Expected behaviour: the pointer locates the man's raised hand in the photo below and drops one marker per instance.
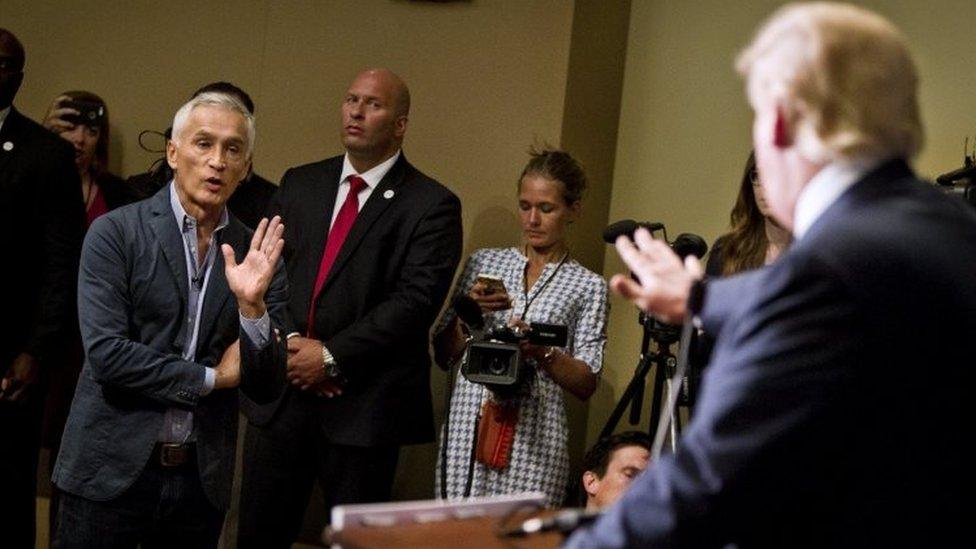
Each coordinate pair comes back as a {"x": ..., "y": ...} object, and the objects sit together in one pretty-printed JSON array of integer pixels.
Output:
[
  {"x": 664, "y": 282},
  {"x": 249, "y": 279}
]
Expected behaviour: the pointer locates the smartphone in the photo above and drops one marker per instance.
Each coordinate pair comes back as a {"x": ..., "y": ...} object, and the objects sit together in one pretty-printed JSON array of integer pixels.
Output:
[
  {"x": 89, "y": 113},
  {"x": 493, "y": 284}
]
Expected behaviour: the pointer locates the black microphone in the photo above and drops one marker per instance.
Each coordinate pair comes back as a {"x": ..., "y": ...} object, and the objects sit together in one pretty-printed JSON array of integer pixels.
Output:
[
  {"x": 628, "y": 227},
  {"x": 563, "y": 521},
  {"x": 686, "y": 244},
  {"x": 469, "y": 312},
  {"x": 949, "y": 178}
]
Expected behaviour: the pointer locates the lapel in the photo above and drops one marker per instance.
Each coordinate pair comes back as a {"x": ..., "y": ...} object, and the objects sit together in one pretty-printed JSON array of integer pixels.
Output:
[
  {"x": 167, "y": 233},
  {"x": 10, "y": 133},
  {"x": 322, "y": 198},
  {"x": 218, "y": 292},
  {"x": 367, "y": 217}
]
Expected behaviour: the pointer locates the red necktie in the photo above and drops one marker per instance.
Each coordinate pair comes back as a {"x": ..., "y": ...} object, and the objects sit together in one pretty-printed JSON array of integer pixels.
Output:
[{"x": 333, "y": 243}]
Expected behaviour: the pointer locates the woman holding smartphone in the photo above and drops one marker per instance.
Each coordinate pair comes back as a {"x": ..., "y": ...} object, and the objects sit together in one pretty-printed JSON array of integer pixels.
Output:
[
  {"x": 81, "y": 118},
  {"x": 537, "y": 281}
]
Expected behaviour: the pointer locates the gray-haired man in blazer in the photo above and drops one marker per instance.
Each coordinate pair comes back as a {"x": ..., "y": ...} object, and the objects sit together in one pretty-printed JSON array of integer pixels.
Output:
[{"x": 148, "y": 450}]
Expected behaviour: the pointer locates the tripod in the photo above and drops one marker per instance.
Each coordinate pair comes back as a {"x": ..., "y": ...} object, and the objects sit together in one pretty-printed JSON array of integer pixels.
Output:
[{"x": 665, "y": 362}]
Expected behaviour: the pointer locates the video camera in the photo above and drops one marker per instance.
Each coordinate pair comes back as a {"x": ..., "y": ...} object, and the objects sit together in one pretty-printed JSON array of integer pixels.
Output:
[{"x": 494, "y": 358}]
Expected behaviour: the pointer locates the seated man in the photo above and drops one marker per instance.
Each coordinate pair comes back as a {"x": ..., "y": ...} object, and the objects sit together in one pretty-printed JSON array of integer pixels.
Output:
[{"x": 611, "y": 465}]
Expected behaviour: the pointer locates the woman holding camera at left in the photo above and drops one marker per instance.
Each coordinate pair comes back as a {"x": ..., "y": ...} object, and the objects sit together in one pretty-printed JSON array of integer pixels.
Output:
[
  {"x": 517, "y": 441},
  {"x": 81, "y": 118}
]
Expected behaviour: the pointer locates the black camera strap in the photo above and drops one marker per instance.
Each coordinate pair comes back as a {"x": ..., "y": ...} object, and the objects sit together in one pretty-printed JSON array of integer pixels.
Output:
[{"x": 525, "y": 288}]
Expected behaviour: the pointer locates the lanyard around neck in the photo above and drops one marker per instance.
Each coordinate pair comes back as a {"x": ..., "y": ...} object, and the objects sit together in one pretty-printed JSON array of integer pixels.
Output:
[{"x": 525, "y": 287}]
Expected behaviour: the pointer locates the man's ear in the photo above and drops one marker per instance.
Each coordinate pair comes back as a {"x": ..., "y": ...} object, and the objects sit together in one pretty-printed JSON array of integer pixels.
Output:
[
  {"x": 171, "y": 154},
  {"x": 591, "y": 483},
  {"x": 782, "y": 129},
  {"x": 400, "y": 126}
]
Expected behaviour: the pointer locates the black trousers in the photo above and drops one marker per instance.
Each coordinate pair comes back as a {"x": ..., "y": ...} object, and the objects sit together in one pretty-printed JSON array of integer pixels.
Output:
[
  {"x": 20, "y": 425},
  {"x": 283, "y": 459},
  {"x": 165, "y": 507}
]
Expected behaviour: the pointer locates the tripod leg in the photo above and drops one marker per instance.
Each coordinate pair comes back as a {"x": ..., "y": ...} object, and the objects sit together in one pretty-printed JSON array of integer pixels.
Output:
[
  {"x": 637, "y": 402},
  {"x": 674, "y": 426},
  {"x": 636, "y": 383},
  {"x": 657, "y": 396}
]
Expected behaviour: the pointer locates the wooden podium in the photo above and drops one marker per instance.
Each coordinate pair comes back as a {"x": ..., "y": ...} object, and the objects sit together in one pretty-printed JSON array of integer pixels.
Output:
[
  {"x": 451, "y": 534},
  {"x": 465, "y": 524}
]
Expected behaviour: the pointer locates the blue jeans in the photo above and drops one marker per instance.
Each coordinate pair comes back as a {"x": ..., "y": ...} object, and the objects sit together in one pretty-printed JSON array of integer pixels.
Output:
[{"x": 165, "y": 507}]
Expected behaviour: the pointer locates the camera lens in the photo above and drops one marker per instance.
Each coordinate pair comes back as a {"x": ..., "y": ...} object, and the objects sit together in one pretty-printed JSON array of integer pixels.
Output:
[{"x": 497, "y": 365}]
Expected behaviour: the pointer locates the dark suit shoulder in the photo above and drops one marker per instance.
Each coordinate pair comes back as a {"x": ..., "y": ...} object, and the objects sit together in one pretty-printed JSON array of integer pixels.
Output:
[
  {"x": 39, "y": 139},
  {"x": 251, "y": 200},
  {"x": 260, "y": 185},
  {"x": 898, "y": 217},
  {"x": 428, "y": 184},
  {"x": 313, "y": 171},
  {"x": 118, "y": 192}
]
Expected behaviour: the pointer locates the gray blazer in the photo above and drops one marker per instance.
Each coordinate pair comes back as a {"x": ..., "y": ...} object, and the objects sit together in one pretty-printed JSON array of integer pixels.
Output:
[{"x": 132, "y": 293}]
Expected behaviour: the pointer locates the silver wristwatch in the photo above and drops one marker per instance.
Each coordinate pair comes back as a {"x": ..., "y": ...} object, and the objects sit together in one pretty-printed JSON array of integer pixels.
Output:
[{"x": 329, "y": 363}]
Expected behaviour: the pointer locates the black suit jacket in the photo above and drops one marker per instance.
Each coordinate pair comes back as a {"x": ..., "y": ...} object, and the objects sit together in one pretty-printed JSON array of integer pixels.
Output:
[
  {"x": 834, "y": 409},
  {"x": 251, "y": 200},
  {"x": 381, "y": 296},
  {"x": 117, "y": 191},
  {"x": 43, "y": 220}
]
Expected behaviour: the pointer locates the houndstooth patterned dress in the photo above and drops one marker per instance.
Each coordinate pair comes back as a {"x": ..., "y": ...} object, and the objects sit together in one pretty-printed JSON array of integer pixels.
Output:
[{"x": 539, "y": 461}]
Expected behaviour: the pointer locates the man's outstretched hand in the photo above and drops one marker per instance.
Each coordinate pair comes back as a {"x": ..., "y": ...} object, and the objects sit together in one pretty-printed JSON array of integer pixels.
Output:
[{"x": 663, "y": 282}]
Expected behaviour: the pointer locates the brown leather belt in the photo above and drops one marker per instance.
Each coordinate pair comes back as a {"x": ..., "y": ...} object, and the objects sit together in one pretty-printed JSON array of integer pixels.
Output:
[{"x": 169, "y": 454}]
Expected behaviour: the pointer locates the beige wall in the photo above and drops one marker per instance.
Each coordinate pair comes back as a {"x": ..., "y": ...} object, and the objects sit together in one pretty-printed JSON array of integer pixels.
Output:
[
  {"x": 685, "y": 126},
  {"x": 592, "y": 109}
]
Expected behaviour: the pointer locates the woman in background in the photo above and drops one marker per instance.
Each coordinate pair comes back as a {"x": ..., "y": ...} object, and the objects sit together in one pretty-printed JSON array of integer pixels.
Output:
[
  {"x": 81, "y": 117},
  {"x": 754, "y": 239},
  {"x": 539, "y": 282}
]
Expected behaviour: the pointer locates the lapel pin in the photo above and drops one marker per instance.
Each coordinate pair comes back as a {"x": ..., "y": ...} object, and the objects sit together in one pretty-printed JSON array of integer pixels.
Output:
[
  {"x": 8, "y": 146},
  {"x": 387, "y": 195}
]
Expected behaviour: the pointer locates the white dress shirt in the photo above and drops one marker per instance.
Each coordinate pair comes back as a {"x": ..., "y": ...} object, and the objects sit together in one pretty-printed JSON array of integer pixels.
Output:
[
  {"x": 825, "y": 188},
  {"x": 372, "y": 178}
]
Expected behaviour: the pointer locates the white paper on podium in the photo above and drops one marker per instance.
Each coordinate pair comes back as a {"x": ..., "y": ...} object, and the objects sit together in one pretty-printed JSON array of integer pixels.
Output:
[{"x": 431, "y": 510}]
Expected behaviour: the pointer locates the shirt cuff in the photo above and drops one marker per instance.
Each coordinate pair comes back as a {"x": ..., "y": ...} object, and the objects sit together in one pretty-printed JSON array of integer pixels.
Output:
[
  {"x": 258, "y": 330},
  {"x": 209, "y": 380}
]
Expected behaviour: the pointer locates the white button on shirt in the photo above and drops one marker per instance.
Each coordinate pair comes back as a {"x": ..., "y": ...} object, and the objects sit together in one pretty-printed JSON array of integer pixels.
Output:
[{"x": 372, "y": 178}]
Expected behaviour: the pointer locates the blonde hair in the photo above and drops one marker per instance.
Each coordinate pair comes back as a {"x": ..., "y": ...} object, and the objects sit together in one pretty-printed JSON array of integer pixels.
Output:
[{"x": 844, "y": 77}]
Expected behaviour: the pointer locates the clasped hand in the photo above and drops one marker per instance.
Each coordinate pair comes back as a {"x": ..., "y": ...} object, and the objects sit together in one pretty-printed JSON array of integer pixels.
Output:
[
  {"x": 306, "y": 369},
  {"x": 19, "y": 378}
]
